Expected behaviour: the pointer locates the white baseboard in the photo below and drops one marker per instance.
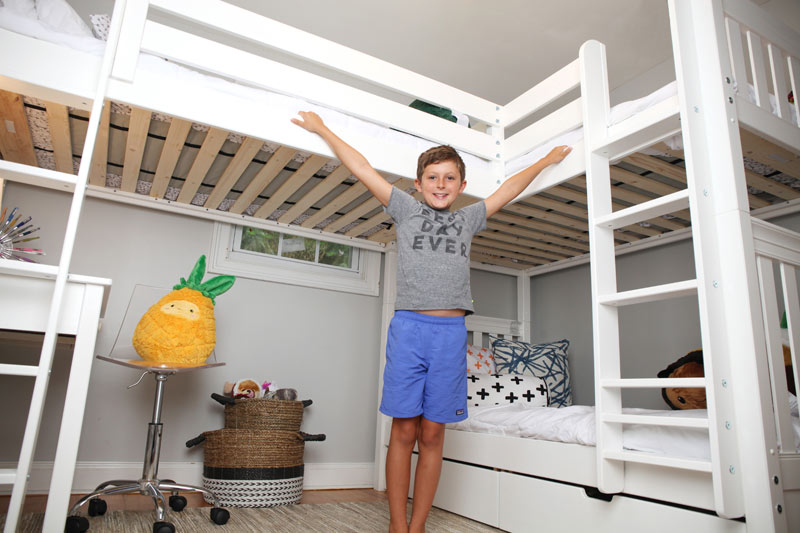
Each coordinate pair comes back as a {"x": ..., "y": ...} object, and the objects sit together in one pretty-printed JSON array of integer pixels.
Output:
[{"x": 90, "y": 474}]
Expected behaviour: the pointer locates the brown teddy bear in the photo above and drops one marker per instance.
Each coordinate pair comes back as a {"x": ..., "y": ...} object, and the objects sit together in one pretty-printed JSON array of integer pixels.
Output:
[{"x": 691, "y": 366}]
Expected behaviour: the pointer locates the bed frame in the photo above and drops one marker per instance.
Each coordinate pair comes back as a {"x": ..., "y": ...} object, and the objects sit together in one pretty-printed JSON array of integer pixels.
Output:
[{"x": 750, "y": 475}]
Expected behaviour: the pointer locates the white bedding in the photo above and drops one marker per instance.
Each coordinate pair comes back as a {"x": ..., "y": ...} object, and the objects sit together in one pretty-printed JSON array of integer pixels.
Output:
[{"x": 576, "y": 424}]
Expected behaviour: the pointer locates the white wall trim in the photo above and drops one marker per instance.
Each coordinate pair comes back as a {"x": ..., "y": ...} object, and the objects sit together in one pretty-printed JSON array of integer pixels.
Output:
[{"x": 89, "y": 474}]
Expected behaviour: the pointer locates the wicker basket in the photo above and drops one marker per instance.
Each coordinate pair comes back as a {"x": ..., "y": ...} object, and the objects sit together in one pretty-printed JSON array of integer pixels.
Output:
[
  {"x": 264, "y": 413},
  {"x": 253, "y": 467}
]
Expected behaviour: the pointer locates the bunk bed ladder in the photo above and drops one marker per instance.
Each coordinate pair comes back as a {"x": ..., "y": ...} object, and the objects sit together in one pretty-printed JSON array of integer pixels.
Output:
[
  {"x": 78, "y": 184},
  {"x": 606, "y": 299}
]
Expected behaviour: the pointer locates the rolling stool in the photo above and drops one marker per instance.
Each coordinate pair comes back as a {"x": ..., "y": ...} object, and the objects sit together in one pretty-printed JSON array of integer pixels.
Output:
[{"x": 149, "y": 484}]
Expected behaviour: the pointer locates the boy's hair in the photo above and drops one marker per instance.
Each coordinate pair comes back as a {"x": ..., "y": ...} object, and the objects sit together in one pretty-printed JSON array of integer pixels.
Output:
[{"x": 438, "y": 154}]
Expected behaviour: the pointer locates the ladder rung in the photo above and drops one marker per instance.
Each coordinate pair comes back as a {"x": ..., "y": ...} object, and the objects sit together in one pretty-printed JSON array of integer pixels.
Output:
[
  {"x": 18, "y": 370},
  {"x": 644, "y": 211},
  {"x": 40, "y": 177},
  {"x": 650, "y": 459},
  {"x": 653, "y": 383},
  {"x": 8, "y": 476},
  {"x": 666, "y": 421},
  {"x": 651, "y": 294}
]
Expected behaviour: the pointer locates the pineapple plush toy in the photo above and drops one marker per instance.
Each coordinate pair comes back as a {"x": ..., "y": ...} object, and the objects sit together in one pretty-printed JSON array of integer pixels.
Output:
[{"x": 180, "y": 329}]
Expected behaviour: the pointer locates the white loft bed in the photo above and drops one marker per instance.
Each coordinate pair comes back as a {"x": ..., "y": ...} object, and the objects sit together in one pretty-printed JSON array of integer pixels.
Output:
[{"x": 734, "y": 347}]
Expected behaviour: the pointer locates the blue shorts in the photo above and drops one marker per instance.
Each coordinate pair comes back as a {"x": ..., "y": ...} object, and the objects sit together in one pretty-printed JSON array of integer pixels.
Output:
[{"x": 426, "y": 368}]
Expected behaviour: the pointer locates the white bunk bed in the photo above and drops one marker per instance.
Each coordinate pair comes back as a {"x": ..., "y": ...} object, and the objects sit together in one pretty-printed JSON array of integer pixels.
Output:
[{"x": 738, "y": 481}]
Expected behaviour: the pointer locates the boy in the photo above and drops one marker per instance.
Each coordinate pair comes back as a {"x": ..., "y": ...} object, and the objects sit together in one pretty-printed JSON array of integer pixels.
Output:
[{"x": 424, "y": 379}]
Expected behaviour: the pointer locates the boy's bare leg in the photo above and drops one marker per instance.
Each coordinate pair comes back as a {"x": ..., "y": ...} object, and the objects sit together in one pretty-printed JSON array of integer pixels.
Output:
[
  {"x": 429, "y": 467},
  {"x": 398, "y": 469}
]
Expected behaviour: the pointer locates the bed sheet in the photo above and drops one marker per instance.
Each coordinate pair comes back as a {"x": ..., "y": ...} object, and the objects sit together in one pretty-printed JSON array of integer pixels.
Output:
[{"x": 576, "y": 424}]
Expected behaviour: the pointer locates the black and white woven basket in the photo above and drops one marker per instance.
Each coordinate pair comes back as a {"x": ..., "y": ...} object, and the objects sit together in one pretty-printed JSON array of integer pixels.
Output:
[{"x": 254, "y": 468}]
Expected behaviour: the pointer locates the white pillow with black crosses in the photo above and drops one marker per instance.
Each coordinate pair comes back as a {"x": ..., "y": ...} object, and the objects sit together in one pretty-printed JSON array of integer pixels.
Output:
[{"x": 500, "y": 389}]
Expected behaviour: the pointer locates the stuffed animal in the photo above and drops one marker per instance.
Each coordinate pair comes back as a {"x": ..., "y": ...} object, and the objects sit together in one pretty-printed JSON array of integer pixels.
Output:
[
  {"x": 180, "y": 328},
  {"x": 688, "y": 366},
  {"x": 691, "y": 366},
  {"x": 249, "y": 388}
]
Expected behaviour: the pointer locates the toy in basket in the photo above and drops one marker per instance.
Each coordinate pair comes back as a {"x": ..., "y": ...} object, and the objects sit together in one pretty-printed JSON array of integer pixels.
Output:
[{"x": 257, "y": 459}]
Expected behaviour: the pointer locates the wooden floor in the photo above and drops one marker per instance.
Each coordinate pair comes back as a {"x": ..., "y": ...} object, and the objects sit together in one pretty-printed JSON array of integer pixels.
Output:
[{"x": 35, "y": 503}]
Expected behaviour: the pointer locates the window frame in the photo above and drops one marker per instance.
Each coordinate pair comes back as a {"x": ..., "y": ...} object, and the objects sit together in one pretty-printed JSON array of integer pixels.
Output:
[{"x": 224, "y": 258}]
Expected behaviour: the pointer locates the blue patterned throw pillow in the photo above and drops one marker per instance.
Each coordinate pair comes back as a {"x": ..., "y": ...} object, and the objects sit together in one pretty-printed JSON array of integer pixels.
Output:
[{"x": 547, "y": 361}]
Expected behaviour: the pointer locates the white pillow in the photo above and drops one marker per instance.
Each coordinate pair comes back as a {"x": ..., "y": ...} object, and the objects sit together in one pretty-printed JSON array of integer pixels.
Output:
[
  {"x": 59, "y": 15},
  {"x": 480, "y": 360},
  {"x": 500, "y": 389}
]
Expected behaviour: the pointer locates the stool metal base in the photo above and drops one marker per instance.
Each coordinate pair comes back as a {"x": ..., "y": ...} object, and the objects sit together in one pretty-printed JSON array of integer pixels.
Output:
[{"x": 149, "y": 484}]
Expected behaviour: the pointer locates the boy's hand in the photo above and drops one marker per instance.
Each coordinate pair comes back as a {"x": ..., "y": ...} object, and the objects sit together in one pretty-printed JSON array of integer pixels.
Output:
[
  {"x": 309, "y": 121},
  {"x": 557, "y": 154}
]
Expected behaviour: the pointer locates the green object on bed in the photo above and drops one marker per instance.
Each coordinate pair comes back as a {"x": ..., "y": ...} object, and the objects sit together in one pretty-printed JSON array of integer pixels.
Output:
[{"x": 441, "y": 112}]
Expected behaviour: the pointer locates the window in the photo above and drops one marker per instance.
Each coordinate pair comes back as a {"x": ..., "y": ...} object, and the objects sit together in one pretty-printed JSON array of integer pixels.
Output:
[{"x": 296, "y": 258}]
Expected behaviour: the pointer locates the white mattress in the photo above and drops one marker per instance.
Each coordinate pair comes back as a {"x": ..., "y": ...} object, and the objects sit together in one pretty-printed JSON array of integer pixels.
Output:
[{"x": 576, "y": 424}]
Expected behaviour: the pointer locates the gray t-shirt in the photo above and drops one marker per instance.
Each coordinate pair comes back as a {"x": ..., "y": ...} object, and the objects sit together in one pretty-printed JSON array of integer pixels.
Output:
[{"x": 433, "y": 253}]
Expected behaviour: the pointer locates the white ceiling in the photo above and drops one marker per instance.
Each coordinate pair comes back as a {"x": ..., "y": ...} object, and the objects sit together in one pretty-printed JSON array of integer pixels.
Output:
[{"x": 494, "y": 49}]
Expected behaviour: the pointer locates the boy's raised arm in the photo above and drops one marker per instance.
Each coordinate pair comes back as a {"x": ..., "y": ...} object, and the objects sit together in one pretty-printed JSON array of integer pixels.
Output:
[
  {"x": 349, "y": 156},
  {"x": 517, "y": 183}
]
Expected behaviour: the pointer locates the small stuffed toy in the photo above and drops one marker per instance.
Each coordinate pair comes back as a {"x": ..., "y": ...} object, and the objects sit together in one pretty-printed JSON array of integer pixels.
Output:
[
  {"x": 249, "y": 388},
  {"x": 180, "y": 328},
  {"x": 688, "y": 366},
  {"x": 691, "y": 366},
  {"x": 245, "y": 388}
]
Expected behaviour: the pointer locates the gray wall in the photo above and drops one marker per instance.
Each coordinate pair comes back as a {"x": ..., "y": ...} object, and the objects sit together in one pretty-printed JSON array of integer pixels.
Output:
[{"x": 323, "y": 343}]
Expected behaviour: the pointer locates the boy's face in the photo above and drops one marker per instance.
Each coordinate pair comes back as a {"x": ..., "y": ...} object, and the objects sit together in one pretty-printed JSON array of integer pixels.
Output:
[{"x": 440, "y": 184}]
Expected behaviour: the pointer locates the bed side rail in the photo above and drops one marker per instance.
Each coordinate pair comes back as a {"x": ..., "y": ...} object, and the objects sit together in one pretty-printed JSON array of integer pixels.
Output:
[
  {"x": 778, "y": 252},
  {"x": 479, "y": 326},
  {"x": 194, "y": 48},
  {"x": 765, "y": 60}
]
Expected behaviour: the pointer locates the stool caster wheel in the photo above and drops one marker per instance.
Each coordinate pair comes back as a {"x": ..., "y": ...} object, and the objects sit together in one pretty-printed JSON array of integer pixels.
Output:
[
  {"x": 76, "y": 524},
  {"x": 163, "y": 527},
  {"x": 219, "y": 516},
  {"x": 97, "y": 507},
  {"x": 177, "y": 503}
]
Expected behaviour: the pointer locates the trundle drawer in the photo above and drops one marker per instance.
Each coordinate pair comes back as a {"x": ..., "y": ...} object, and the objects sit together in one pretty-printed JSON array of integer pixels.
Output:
[{"x": 531, "y": 504}]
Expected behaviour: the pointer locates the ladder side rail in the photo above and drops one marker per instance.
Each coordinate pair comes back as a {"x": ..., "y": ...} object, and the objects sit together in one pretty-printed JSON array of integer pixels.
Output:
[
  {"x": 769, "y": 303},
  {"x": 51, "y": 332},
  {"x": 605, "y": 319},
  {"x": 730, "y": 313},
  {"x": 74, "y": 407}
]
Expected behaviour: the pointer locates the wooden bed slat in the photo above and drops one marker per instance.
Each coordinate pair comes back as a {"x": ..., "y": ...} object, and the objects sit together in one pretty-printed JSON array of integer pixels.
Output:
[
  {"x": 16, "y": 143},
  {"x": 99, "y": 169},
  {"x": 480, "y": 257},
  {"x": 384, "y": 235},
  {"x": 263, "y": 178},
  {"x": 214, "y": 140},
  {"x": 134, "y": 148},
  {"x": 768, "y": 154},
  {"x": 525, "y": 223},
  {"x": 522, "y": 251},
  {"x": 325, "y": 186},
  {"x": 355, "y": 190},
  {"x": 499, "y": 236},
  {"x": 354, "y": 214},
  {"x": 58, "y": 123},
  {"x": 295, "y": 181},
  {"x": 170, "y": 152},
  {"x": 244, "y": 156},
  {"x": 371, "y": 222}
]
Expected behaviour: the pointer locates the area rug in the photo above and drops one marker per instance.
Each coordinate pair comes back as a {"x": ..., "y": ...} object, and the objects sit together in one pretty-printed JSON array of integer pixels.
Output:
[{"x": 355, "y": 517}]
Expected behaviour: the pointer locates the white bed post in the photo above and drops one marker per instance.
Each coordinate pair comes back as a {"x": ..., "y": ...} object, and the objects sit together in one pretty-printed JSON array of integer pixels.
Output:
[
  {"x": 383, "y": 426},
  {"x": 739, "y": 404}
]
